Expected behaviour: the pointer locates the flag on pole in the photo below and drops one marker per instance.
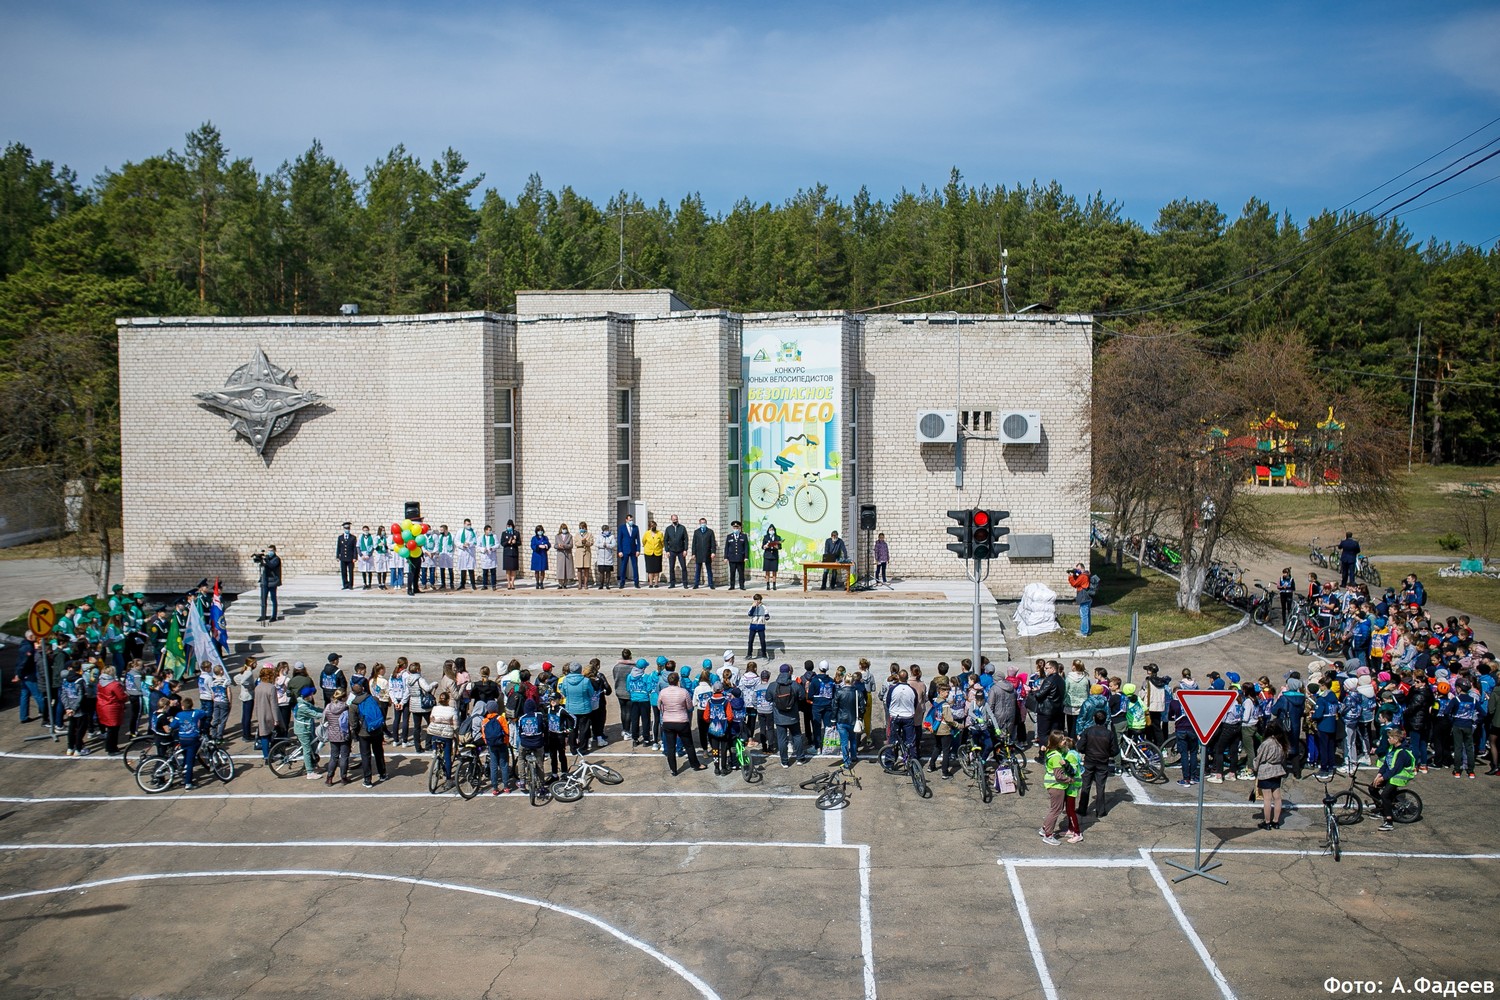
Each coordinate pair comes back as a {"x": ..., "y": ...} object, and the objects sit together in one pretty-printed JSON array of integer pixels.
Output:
[
  {"x": 173, "y": 657},
  {"x": 216, "y": 614},
  {"x": 200, "y": 644}
]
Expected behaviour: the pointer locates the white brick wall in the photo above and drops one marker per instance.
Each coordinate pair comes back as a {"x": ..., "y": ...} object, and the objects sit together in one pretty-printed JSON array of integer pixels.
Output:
[{"x": 410, "y": 410}]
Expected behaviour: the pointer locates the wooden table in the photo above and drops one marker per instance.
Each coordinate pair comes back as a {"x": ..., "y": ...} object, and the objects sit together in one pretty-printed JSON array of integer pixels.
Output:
[{"x": 847, "y": 567}]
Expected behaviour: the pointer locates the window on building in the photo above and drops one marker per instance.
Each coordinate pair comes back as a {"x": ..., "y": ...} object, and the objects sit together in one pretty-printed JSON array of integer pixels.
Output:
[
  {"x": 505, "y": 443},
  {"x": 622, "y": 444},
  {"x": 733, "y": 457}
]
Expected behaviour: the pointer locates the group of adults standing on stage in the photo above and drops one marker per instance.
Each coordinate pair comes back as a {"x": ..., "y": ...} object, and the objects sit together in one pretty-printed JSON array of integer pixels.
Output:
[{"x": 581, "y": 558}]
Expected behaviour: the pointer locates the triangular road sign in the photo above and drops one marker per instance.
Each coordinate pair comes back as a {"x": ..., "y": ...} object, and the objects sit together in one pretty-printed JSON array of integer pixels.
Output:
[{"x": 1205, "y": 710}]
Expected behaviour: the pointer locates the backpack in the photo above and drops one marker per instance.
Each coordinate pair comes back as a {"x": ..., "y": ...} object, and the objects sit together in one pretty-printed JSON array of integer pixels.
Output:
[
  {"x": 786, "y": 699},
  {"x": 330, "y": 678},
  {"x": 823, "y": 686},
  {"x": 370, "y": 716},
  {"x": 531, "y": 724},
  {"x": 426, "y": 699},
  {"x": 1093, "y": 587},
  {"x": 494, "y": 732},
  {"x": 718, "y": 716}
]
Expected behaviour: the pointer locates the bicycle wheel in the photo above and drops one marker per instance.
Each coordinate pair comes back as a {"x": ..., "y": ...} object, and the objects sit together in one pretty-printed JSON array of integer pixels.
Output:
[
  {"x": 434, "y": 775},
  {"x": 567, "y": 789},
  {"x": 1289, "y": 630},
  {"x": 1348, "y": 808},
  {"x": 538, "y": 792},
  {"x": 1171, "y": 754},
  {"x": 222, "y": 765},
  {"x": 138, "y": 750},
  {"x": 832, "y": 797},
  {"x": 1372, "y": 576},
  {"x": 1407, "y": 806},
  {"x": 607, "y": 774},
  {"x": 1302, "y": 637},
  {"x": 986, "y": 784},
  {"x": 810, "y": 502},
  {"x": 817, "y": 781},
  {"x": 764, "y": 489},
  {"x": 969, "y": 762},
  {"x": 752, "y": 770},
  {"x": 887, "y": 758},
  {"x": 1333, "y": 838},
  {"x": 468, "y": 780},
  {"x": 1152, "y": 757},
  {"x": 286, "y": 758},
  {"x": 918, "y": 779},
  {"x": 1018, "y": 772},
  {"x": 155, "y": 775},
  {"x": 1261, "y": 613}
]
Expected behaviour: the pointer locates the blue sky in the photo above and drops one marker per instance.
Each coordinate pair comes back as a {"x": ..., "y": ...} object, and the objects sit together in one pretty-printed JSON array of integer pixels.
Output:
[{"x": 1306, "y": 106}]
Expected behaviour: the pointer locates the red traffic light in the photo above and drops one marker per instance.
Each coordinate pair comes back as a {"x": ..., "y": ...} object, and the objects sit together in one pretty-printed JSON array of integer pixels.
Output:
[{"x": 981, "y": 518}]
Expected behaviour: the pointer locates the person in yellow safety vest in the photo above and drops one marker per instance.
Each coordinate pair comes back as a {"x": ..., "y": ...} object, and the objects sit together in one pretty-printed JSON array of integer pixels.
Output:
[
  {"x": 1060, "y": 769},
  {"x": 1398, "y": 767}
]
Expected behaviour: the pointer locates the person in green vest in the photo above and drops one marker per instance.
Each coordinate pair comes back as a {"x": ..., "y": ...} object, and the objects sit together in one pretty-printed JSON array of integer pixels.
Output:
[
  {"x": 1396, "y": 769},
  {"x": 114, "y": 643},
  {"x": 1061, "y": 769},
  {"x": 67, "y": 623},
  {"x": 117, "y": 599}
]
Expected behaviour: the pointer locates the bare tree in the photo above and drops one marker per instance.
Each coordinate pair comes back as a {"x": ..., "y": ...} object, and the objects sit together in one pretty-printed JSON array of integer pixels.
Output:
[{"x": 1477, "y": 519}]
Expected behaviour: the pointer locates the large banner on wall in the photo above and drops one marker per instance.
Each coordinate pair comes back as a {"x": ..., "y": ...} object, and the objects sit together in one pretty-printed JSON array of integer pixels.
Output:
[{"x": 792, "y": 424}]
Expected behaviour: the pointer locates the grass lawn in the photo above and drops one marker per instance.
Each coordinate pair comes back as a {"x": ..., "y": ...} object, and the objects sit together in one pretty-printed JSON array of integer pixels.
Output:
[
  {"x": 1474, "y": 595},
  {"x": 1154, "y": 596},
  {"x": 65, "y": 545},
  {"x": 1299, "y": 516}
]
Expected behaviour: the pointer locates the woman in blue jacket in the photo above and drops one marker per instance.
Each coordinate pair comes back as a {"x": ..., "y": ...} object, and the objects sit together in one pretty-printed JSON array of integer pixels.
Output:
[{"x": 540, "y": 546}]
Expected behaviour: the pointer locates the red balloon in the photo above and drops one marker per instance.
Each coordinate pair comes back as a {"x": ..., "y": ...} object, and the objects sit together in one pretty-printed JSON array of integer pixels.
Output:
[
  {"x": 426, "y": 529},
  {"x": 395, "y": 529}
]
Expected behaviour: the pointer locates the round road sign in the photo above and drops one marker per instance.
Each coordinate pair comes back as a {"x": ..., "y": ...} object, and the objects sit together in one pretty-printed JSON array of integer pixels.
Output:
[{"x": 43, "y": 616}]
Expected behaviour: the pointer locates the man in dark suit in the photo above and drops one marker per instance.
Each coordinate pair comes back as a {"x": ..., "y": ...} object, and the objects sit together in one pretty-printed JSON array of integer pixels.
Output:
[
  {"x": 674, "y": 544},
  {"x": 704, "y": 547},
  {"x": 270, "y": 579},
  {"x": 736, "y": 551},
  {"x": 347, "y": 550},
  {"x": 833, "y": 551},
  {"x": 628, "y": 549}
]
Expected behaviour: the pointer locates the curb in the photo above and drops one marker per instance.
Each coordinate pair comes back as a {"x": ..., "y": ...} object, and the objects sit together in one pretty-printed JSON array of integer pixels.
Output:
[{"x": 1148, "y": 648}]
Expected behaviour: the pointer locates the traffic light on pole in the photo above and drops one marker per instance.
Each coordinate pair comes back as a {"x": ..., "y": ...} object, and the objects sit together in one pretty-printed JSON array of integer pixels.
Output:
[
  {"x": 963, "y": 531},
  {"x": 986, "y": 531}
]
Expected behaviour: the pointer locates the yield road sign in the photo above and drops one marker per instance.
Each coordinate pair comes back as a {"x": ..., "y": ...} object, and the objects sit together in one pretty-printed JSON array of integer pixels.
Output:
[
  {"x": 41, "y": 619},
  {"x": 1205, "y": 710}
]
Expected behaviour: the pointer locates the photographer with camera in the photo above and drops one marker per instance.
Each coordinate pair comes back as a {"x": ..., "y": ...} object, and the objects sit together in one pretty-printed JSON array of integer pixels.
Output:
[{"x": 270, "y": 579}]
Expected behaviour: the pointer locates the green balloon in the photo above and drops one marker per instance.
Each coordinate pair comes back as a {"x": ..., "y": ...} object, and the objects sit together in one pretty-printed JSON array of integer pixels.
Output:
[
  {"x": 405, "y": 535},
  {"x": 422, "y": 540}
]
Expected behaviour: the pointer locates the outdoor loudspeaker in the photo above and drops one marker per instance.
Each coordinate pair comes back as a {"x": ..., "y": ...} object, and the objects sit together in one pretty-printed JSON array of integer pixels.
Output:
[
  {"x": 867, "y": 516},
  {"x": 413, "y": 510}
]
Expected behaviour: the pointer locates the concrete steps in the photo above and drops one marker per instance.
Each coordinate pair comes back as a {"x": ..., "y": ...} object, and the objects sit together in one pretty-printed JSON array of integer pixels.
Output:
[{"x": 564, "y": 625}]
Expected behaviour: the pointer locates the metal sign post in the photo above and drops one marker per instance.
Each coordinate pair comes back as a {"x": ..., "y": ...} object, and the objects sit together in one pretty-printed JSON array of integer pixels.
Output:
[
  {"x": 1135, "y": 639},
  {"x": 1205, "y": 710}
]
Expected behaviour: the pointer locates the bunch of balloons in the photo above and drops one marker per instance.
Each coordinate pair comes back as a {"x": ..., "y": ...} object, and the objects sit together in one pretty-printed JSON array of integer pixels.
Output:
[{"x": 408, "y": 537}]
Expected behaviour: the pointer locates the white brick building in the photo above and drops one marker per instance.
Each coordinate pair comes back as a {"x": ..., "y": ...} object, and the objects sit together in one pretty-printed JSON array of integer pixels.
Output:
[{"x": 578, "y": 407}]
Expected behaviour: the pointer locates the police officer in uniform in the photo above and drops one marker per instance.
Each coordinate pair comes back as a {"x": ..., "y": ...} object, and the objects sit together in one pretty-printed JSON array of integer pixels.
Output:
[{"x": 347, "y": 551}]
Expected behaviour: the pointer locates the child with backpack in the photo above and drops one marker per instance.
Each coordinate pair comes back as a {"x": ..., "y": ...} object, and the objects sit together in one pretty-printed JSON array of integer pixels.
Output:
[
  {"x": 559, "y": 724},
  {"x": 497, "y": 740},
  {"x": 531, "y": 733},
  {"x": 718, "y": 715}
]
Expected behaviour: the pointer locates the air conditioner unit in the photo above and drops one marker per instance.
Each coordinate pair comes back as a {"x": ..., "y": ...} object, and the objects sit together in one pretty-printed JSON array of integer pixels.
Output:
[
  {"x": 937, "y": 426},
  {"x": 1021, "y": 427}
]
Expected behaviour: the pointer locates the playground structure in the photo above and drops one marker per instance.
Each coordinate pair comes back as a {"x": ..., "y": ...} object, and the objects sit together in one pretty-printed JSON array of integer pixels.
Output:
[{"x": 1275, "y": 455}]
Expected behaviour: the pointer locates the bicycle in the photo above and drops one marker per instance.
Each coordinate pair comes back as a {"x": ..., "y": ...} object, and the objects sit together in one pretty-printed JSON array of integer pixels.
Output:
[
  {"x": 895, "y": 758},
  {"x": 157, "y": 774},
  {"x": 752, "y": 765},
  {"x": 1350, "y": 805},
  {"x": 1366, "y": 571},
  {"x": 471, "y": 769},
  {"x": 1262, "y": 603},
  {"x": 833, "y": 786},
  {"x": 530, "y": 770},
  {"x": 807, "y": 498},
  {"x": 139, "y": 750},
  {"x": 570, "y": 787},
  {"x": 976, "y": 766},
  {"x": 1013, "y": 756},
  {"x": 286, "y": 757},
  {"x": 1142, "y": 758},
  {"x": 1331, "y": 842},
  {"x": 1316, "y": 555}
]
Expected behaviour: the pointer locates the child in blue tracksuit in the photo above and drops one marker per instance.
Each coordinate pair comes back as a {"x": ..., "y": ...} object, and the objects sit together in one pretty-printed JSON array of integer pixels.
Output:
[
  {"x": 187, "y": 725},
  {"x": 531, "y": 733}
]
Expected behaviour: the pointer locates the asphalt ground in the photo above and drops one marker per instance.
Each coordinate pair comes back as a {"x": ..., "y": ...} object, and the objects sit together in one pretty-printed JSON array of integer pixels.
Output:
[{"x": 704, "y": 886}]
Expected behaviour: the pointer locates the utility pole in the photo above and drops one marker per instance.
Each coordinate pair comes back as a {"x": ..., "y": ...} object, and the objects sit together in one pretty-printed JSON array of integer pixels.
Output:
[{"x": 1411, "y": 434}]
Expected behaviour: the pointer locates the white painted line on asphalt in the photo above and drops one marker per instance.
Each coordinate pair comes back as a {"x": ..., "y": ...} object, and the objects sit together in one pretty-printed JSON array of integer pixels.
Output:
[
  {"x": 866, "y": 928},
  {"x": 1187, "y": 926},
  {"x": 1035, "y": 946},
  {"x": 833, "y": 827},
  {"x": 1138, "y": 793},
  {"x": 445, "y": 844},
  {"x": 682, "y": 971},
  {"x": 1071, "y": 862},
  {"x": 1416, "y": 855},
  {"x": 353, "y": 796}
]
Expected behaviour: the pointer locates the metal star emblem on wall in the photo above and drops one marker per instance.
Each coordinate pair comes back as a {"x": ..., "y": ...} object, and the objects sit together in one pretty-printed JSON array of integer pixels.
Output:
[{"x": 259, "y": 400}]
